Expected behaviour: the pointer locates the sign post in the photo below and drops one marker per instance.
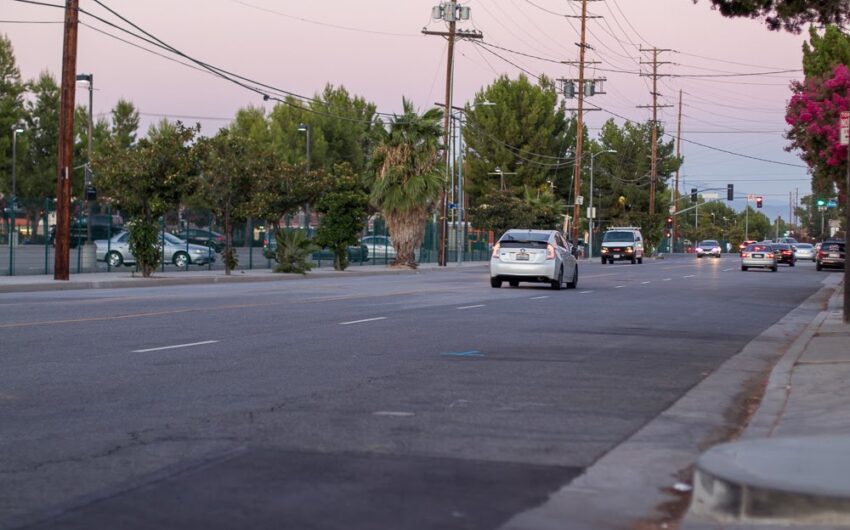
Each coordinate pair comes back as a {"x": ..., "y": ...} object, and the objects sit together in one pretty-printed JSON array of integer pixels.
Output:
[{"x": 844, "y": 130}]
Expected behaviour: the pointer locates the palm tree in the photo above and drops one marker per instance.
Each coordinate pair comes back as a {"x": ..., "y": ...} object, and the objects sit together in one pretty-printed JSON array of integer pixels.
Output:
[{"x": 408, "y": 177}]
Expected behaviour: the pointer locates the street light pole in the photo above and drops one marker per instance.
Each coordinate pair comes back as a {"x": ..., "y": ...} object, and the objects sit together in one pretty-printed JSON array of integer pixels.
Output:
[
  {"x": 305, "y": 128},
  {"x": 13, "y": 232},
  {"x": 591, "y": 212},
  {"x": 89, "y": 79}
]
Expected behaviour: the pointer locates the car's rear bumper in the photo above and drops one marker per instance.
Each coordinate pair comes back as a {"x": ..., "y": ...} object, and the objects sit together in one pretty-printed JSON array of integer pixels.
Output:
[
  {"x": 527, "y": 272},
  {"x": 756, "y": 262},
  {"x": 832, "y": 263}
]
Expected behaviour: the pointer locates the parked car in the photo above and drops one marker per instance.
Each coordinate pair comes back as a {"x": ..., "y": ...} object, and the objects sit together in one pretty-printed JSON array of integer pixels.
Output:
[
  {"x": 804, "y": 251},
  {"x": 199, "y": 236},
  {"x": 784, "y": 253},
  {"x": 381, "y": 248},
  {"x": 116, "y": 251},
  {"x": 831, "y": 255},
  {"x": 534, "y": 256},
  {"x": 356, "y": 253},
  {"x": 622, "y": 243},
  {"x": 708, "y": 247},
  {"x": 103, "y": 226},
  {"x": 759, "y": 255}
]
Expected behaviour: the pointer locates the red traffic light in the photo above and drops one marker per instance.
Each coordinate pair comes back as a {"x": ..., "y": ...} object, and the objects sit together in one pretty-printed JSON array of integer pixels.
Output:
[
  {"x": 669, "y": 222},
  {"x": 759, "y": 201}
]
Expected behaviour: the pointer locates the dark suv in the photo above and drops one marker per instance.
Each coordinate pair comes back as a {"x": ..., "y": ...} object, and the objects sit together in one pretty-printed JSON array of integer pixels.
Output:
[
  {"x": 103, "y": 226},
  {"x": 831, "y": 254}
]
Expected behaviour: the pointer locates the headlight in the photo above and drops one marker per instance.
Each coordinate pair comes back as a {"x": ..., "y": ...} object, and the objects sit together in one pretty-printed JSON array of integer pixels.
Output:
[
  {"x": 604, "y": 250},
  {"x": 629, "y": 249},
  {"x": 699, "y": 249}
]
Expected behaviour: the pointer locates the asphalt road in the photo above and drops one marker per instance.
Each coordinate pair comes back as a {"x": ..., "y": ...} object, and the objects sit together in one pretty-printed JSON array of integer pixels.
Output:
[{"x": 418, "y": 401}]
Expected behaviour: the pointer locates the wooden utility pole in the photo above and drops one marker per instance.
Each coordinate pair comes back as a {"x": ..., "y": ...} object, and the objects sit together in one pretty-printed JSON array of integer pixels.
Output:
[
  {"x": 65, "y": 157},
  {"x": 653, "y": 168},
  {"x": 582, "y": 46},
  {"x": 449, "y": 12},
  {"x": 675, "y": 231}
]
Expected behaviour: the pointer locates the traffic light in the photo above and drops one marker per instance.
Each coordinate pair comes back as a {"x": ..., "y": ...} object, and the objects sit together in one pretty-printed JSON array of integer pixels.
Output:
[
  {"x": 821, "y": 202},
  {"x": 668, "y": 234},
  {"x": 759, "y": 201},
  {"x": 693, "y": 195},
  {"x": 730, "y": 192},
  {"x": 669, "y": 222}
]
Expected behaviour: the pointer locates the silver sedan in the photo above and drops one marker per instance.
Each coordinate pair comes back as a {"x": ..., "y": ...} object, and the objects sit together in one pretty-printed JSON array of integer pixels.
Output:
[
  {"x": 534, "y": 256},
  {"x": 116, "y": 251},
  {"x": 759, "y": 255},
  {"x": 804, "y": 251}
]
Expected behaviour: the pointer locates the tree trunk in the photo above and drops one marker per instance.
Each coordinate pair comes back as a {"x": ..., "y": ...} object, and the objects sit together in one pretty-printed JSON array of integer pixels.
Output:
[{"x": 407, "y": 229}]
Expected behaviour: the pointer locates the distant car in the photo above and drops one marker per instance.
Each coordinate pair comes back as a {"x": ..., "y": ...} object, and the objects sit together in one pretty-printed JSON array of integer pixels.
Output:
[
  {"x": 709, "y": 247},
  {"x": 784, "y": 254},
  {"x": 804, "y": 251},
  {"x": 622, "y": 244},
  {"x": 831, "y": 255},
  {"x": 789, "y": 240},
  {"x": 199, "y": 236},
  {"x": 116, "y": 251},
  {"x": 381, "y": 248},
  {"x": 534, "y": 256},
  {"x": 759, "y": 255},
  {"x": 746, "y": 243}
]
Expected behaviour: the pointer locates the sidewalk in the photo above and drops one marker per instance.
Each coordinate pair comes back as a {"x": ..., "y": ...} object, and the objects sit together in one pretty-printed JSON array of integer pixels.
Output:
[
  {"x": 125, "y": 279},
  {"x": 791, "y": 466}
]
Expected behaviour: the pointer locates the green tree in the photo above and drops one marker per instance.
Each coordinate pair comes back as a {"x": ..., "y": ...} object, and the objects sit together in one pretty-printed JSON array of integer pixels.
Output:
[
  {"x": 500, "y": 211},
  {"x": 824, "y": 52},
  {"x": 519, "y": 128},
  {"x": 125, "y": 123},
  {"x": 344, "y": 209},
  {"x": 293, "y": 251},
  {"x": 147, "y": 180},
  {"x": 408, "y": 177},
  {"x": 347, "y": 127},
  {"x": 11, "y": 106},
  {"x": 790, "y": 15},
  {"x": 230, "y": 165}
]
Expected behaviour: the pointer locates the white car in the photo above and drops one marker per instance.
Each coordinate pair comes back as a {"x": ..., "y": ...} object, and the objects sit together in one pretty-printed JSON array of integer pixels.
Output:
[
  {"x": 804, "y": 251},
  {"x": 534, "y": 256},
  {"x": 116, "y": 251},
  {"x": 381, "y": 248},
  {"x": 709, "y": 247}
]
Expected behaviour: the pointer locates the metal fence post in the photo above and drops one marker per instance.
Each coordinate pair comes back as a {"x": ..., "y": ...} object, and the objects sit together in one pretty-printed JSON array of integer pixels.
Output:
[
  {"x": 79, "y": 246},
  {"x": 108, "y": 238},
  {"x": 46, "y": 237},
  {"x": 161, "y": 243}
]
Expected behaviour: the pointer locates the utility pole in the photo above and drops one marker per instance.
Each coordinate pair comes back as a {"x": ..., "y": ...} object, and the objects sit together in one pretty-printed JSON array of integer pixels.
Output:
[
  {"x": 653, "y": 170},
  {"x": 675, "y": 230},
  {"x": 65, "y": 156},
  {"x": 449, "y": 12}
]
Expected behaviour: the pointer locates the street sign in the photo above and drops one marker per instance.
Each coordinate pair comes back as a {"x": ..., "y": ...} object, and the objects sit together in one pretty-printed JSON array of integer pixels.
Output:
[
  {"x": 844, "y": 128},
  {"x": 751, "y": 196},
  {"x": 591, "y": 212},
  {"x": 712, "y": 196},
  {"x": 452, "y": 206},
  {"x": 579, "y": 200},
  {"x": 832, "y": 203}
]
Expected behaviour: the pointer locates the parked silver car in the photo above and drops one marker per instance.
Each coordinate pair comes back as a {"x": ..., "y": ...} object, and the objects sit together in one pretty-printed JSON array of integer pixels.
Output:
[
  {"x": 759, "y": 255},
  {"x": 804, "y": 251},
  {"x": 116, "y": 251},
  {"x": 534, "y": 256},
  {"x": 381, "y": 248}
]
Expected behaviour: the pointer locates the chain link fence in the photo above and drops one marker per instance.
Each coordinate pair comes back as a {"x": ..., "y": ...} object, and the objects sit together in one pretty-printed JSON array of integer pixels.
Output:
[{"x": 193, "y": 239}]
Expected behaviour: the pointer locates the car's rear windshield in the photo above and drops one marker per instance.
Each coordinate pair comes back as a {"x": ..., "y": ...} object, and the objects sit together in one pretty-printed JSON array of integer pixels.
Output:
[
  {"x": 709, "y": 243},
  {"x": 804, "y": 245},
  {"x": 781, "y": 246},
  {"x": 617, "y": 237},
  {"x": 524, "y": 240},
  {"x": 759, "y": 248},
  {"x": 832, "y": 246}
]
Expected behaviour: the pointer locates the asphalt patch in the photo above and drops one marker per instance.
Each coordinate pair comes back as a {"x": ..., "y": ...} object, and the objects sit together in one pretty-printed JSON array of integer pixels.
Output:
[{"x": 275, "y": 489}]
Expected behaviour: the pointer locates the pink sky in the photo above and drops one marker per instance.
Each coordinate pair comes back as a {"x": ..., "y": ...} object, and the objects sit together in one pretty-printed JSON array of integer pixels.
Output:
[{"x": 300, "y": 46}]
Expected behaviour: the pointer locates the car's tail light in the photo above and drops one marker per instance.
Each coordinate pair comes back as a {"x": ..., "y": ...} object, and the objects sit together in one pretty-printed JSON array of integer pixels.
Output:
[
  {"x": 550, "y": 252},
  {"x": 745, "y": 254},
  {"x": 769, "y": 255},
  {"x": 496, "y": 248},
  {"x": 822, "y": 254}
]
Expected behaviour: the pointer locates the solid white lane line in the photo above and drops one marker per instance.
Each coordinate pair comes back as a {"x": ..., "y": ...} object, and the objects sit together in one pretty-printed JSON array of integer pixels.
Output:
[
  {"x": 392, "y": 413},
  {"x": 644, "y": 283},
  {"x": 470, "y": 306},
  {"x": 175, "y": 346},
  {"x": 538, "y": 297},
  {"x": 689, "y": 276},
  {"x": 585, "y": 292},
  {"x": 364, "y": 320}
]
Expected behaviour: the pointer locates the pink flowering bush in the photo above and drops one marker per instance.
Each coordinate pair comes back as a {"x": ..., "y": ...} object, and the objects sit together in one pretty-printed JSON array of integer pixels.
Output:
[{"x": 813, "y": 114}]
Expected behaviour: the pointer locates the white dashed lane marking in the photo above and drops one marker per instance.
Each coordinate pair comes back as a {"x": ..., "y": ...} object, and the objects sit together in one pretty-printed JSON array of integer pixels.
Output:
[
  {"x": 585, "y": 292},
  {"x": 470, "y": 306},
  {"x": 689, "y": 276},
  {"x": 361, "y": 321},
  {"x": 538, "y": 297},
  {"x": 175, "y": 346},
  {"x": 644, "y": 283}
]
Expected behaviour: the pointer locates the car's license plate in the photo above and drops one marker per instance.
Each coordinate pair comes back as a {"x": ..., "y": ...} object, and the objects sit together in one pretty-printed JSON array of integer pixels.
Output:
[
  {"x": 833, "y": 255},
  {"x": 522, "y": 257},
  {"x": 758, "y": 255},
  {"x": 616, "y": 255}
]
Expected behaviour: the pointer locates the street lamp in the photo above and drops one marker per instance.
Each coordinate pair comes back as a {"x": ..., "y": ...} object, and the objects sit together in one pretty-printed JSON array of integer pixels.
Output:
[
  {"x": 305, "y": 128},
  {"x": 590, "y": 217},
  {"x": 16, "y": 130},
  {"x": 87, "y": 188}
]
